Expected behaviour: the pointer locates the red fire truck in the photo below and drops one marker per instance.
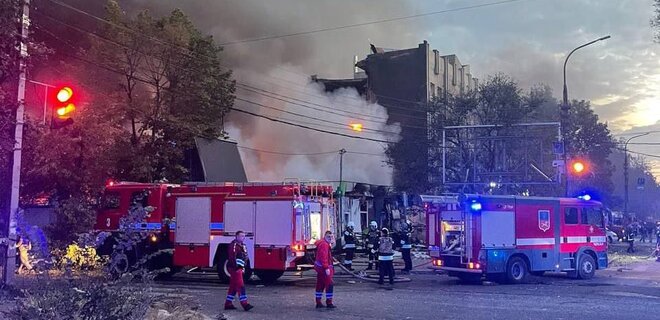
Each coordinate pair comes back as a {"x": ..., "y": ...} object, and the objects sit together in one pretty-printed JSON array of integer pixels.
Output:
[
  {"x": 510, "y": 237},
  {"x": 198, "y": 220}
]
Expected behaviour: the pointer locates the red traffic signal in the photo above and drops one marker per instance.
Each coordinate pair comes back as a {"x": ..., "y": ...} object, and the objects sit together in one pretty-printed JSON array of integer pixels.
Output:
[{"x": 63, "y": 109}]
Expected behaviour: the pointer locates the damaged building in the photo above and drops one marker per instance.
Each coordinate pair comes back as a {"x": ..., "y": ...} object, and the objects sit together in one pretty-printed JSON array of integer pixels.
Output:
[{"x": 405, "y": 81}]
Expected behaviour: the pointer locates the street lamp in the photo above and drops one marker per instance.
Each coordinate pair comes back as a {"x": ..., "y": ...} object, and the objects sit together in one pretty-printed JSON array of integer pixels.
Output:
[
  {"x": 566, "y": 61},
  {"x": 625, "y": 169},
  {"x": 564, "y": 108}
]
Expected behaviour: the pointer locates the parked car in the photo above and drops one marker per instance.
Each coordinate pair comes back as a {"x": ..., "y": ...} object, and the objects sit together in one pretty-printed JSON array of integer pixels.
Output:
[{"x": 611, "y": 236}]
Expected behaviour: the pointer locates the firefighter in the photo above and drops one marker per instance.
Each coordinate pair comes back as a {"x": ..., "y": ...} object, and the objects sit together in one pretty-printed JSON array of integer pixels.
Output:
[
  {"x": 238, "y": 258},
  {"x": 349, "y": 245},
  {"x": 406, "y": 246},
  {"x": 372, "y": 236},
  {"x": 385, "y": 256},
  {"x": 657, "y": 232},
  {"x": 631, "y": 234},
  {"x": 324, "y": 271}
]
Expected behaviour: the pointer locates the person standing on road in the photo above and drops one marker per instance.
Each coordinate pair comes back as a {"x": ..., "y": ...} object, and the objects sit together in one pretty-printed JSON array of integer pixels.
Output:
[
  {"x": 349, "y": 245},
  {"x": 372, "y": 235},
  {"x": 406, "y": 246},
  {"x": 238, "y": 258},
  {"x": 385, "y": 256},
  {"x": 324, "y": 271},
  {"x": 632, "y": 233},
  {"x": 657, "y": 232}
]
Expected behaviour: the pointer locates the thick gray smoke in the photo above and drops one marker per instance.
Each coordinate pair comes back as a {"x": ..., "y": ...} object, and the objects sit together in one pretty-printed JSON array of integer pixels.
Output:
[{"x": 282, "y": 66}]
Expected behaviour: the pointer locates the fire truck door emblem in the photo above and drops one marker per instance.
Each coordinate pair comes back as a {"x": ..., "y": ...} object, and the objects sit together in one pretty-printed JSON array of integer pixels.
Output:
[
  {"x": 591, "y": 229},
  {"x": 544, "y": 220}
]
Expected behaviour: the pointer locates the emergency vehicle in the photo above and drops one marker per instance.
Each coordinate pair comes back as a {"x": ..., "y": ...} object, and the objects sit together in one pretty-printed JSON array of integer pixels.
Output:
[
  {"x": 281, "y": 221},
  {"x": 510, "y": 237}
]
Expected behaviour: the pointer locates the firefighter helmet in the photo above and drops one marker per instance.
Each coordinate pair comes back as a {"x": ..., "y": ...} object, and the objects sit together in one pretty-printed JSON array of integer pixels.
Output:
[{"x": 373, "y": 225}]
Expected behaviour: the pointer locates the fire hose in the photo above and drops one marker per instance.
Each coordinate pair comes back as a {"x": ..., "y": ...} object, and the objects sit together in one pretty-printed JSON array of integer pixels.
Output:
[{"x": 366, "y": 278}]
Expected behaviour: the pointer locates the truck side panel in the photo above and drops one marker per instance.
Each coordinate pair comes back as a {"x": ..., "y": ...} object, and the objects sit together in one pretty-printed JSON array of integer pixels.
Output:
[{"x": 537, "y": 232}]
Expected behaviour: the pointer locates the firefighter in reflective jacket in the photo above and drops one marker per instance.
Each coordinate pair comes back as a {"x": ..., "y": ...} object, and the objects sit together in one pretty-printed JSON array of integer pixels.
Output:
[
  {"x": 406, "y": 245},
  {"x": 324, "y": 271},
  {"x": 349, "y": 245},
  {"x": 238, "y": 258},
  {"x": 372, "y": 235}
]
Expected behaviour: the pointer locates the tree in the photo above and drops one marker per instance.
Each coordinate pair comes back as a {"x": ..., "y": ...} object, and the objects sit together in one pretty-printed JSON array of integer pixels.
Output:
[
  {"x": 590, "y": 139},
  {"x": 173, "y": 88},
  {"x": 476, "y": 157}
]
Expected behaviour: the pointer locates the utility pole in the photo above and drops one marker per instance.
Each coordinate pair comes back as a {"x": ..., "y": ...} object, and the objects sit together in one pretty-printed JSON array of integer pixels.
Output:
[
  {"x": 10, "y": 261},
  {"x": 341, "y": 194}
]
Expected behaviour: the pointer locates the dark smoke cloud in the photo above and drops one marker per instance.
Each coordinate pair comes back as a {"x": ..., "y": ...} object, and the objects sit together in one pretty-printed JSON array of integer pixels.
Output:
[{"x": 284, "y": 66}]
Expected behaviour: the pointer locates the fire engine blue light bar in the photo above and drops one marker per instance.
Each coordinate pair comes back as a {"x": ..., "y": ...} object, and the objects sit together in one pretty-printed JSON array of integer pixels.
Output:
[
  {"x": 217, "y": 226},
  {"x": 148, "y": 226},
  {"x": 475, "y": 206}
]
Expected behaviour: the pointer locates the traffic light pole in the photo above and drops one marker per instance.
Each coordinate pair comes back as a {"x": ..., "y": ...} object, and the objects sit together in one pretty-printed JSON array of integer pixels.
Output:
[{"x": 10, "y": 261}]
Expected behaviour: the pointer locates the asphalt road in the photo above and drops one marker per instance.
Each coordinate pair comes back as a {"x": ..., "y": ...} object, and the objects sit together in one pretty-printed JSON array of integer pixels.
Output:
[{"x": 632, "y": 292}]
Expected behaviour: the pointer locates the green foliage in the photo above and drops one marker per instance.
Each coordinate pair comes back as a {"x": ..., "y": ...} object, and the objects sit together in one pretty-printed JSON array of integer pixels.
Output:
[
  {"x": 87, "y": 298},
  {"x": 502, "y": 154},
  {"x": 74, "y": 217},
  {"x": 172, "y": 88}
]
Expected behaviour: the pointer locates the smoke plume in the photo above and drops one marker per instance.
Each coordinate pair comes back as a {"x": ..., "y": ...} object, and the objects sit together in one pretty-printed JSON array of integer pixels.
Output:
[{"x": 276, "y": 73}]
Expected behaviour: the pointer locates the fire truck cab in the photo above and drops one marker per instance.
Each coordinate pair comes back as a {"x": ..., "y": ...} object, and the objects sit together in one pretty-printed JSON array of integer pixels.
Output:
[
  {"x": 282, "y": 221},
  {"x": 510, "y": 237}
]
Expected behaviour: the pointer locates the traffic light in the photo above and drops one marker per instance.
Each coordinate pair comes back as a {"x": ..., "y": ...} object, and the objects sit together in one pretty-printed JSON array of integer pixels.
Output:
[
  {"x": 63, "y": 108},
  {"x": 579, "y": 167}
]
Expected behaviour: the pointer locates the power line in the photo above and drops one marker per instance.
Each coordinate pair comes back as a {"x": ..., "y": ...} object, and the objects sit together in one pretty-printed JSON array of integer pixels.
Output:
[
  {"x": 639, "y": 153},
  {"x": 308, "y": 117},
  {"x": 358, "y": 115},
  {"x": 308, "y": 154},
  {"x": 367, "y": 23},
  {"x": 301, "y": 126},
  {"x": 287, "y": 154}
]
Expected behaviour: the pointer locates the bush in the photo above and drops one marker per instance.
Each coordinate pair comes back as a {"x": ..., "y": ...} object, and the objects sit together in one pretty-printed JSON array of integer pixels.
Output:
[{"x": 89, "y": 298}]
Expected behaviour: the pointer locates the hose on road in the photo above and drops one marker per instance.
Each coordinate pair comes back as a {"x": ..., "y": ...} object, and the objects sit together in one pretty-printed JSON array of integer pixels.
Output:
[{"x": 367, "y": 278}]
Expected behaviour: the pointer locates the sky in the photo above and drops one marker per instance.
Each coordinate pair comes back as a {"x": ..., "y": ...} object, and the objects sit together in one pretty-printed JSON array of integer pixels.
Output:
[{"x": 527, "y": 39}]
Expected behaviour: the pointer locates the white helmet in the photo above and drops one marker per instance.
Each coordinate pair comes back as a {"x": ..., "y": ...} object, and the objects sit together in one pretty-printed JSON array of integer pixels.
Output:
[
  {"x": 351, "y": 225},
  {"x": 373, "y": 225}
]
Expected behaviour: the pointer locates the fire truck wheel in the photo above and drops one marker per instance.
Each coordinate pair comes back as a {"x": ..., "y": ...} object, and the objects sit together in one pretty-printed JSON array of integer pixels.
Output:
[
  {"x": 516, "y": 270},
  {"x": 223, "y": 273},
  {"x": 268, "y": 276},
  {"x": 587, "y": 267}
]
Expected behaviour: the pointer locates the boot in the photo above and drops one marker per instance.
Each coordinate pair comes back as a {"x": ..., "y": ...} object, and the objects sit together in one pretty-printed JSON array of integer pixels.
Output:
[
  {"x": 329, "y": 304},
  {"x": 229, "y": 306},
  {"x": 247, "y": 307}
]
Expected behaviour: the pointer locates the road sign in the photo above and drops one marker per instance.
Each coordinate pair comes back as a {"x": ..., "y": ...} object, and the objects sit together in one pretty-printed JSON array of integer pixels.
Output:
[{"x": 558, "y": 147}]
